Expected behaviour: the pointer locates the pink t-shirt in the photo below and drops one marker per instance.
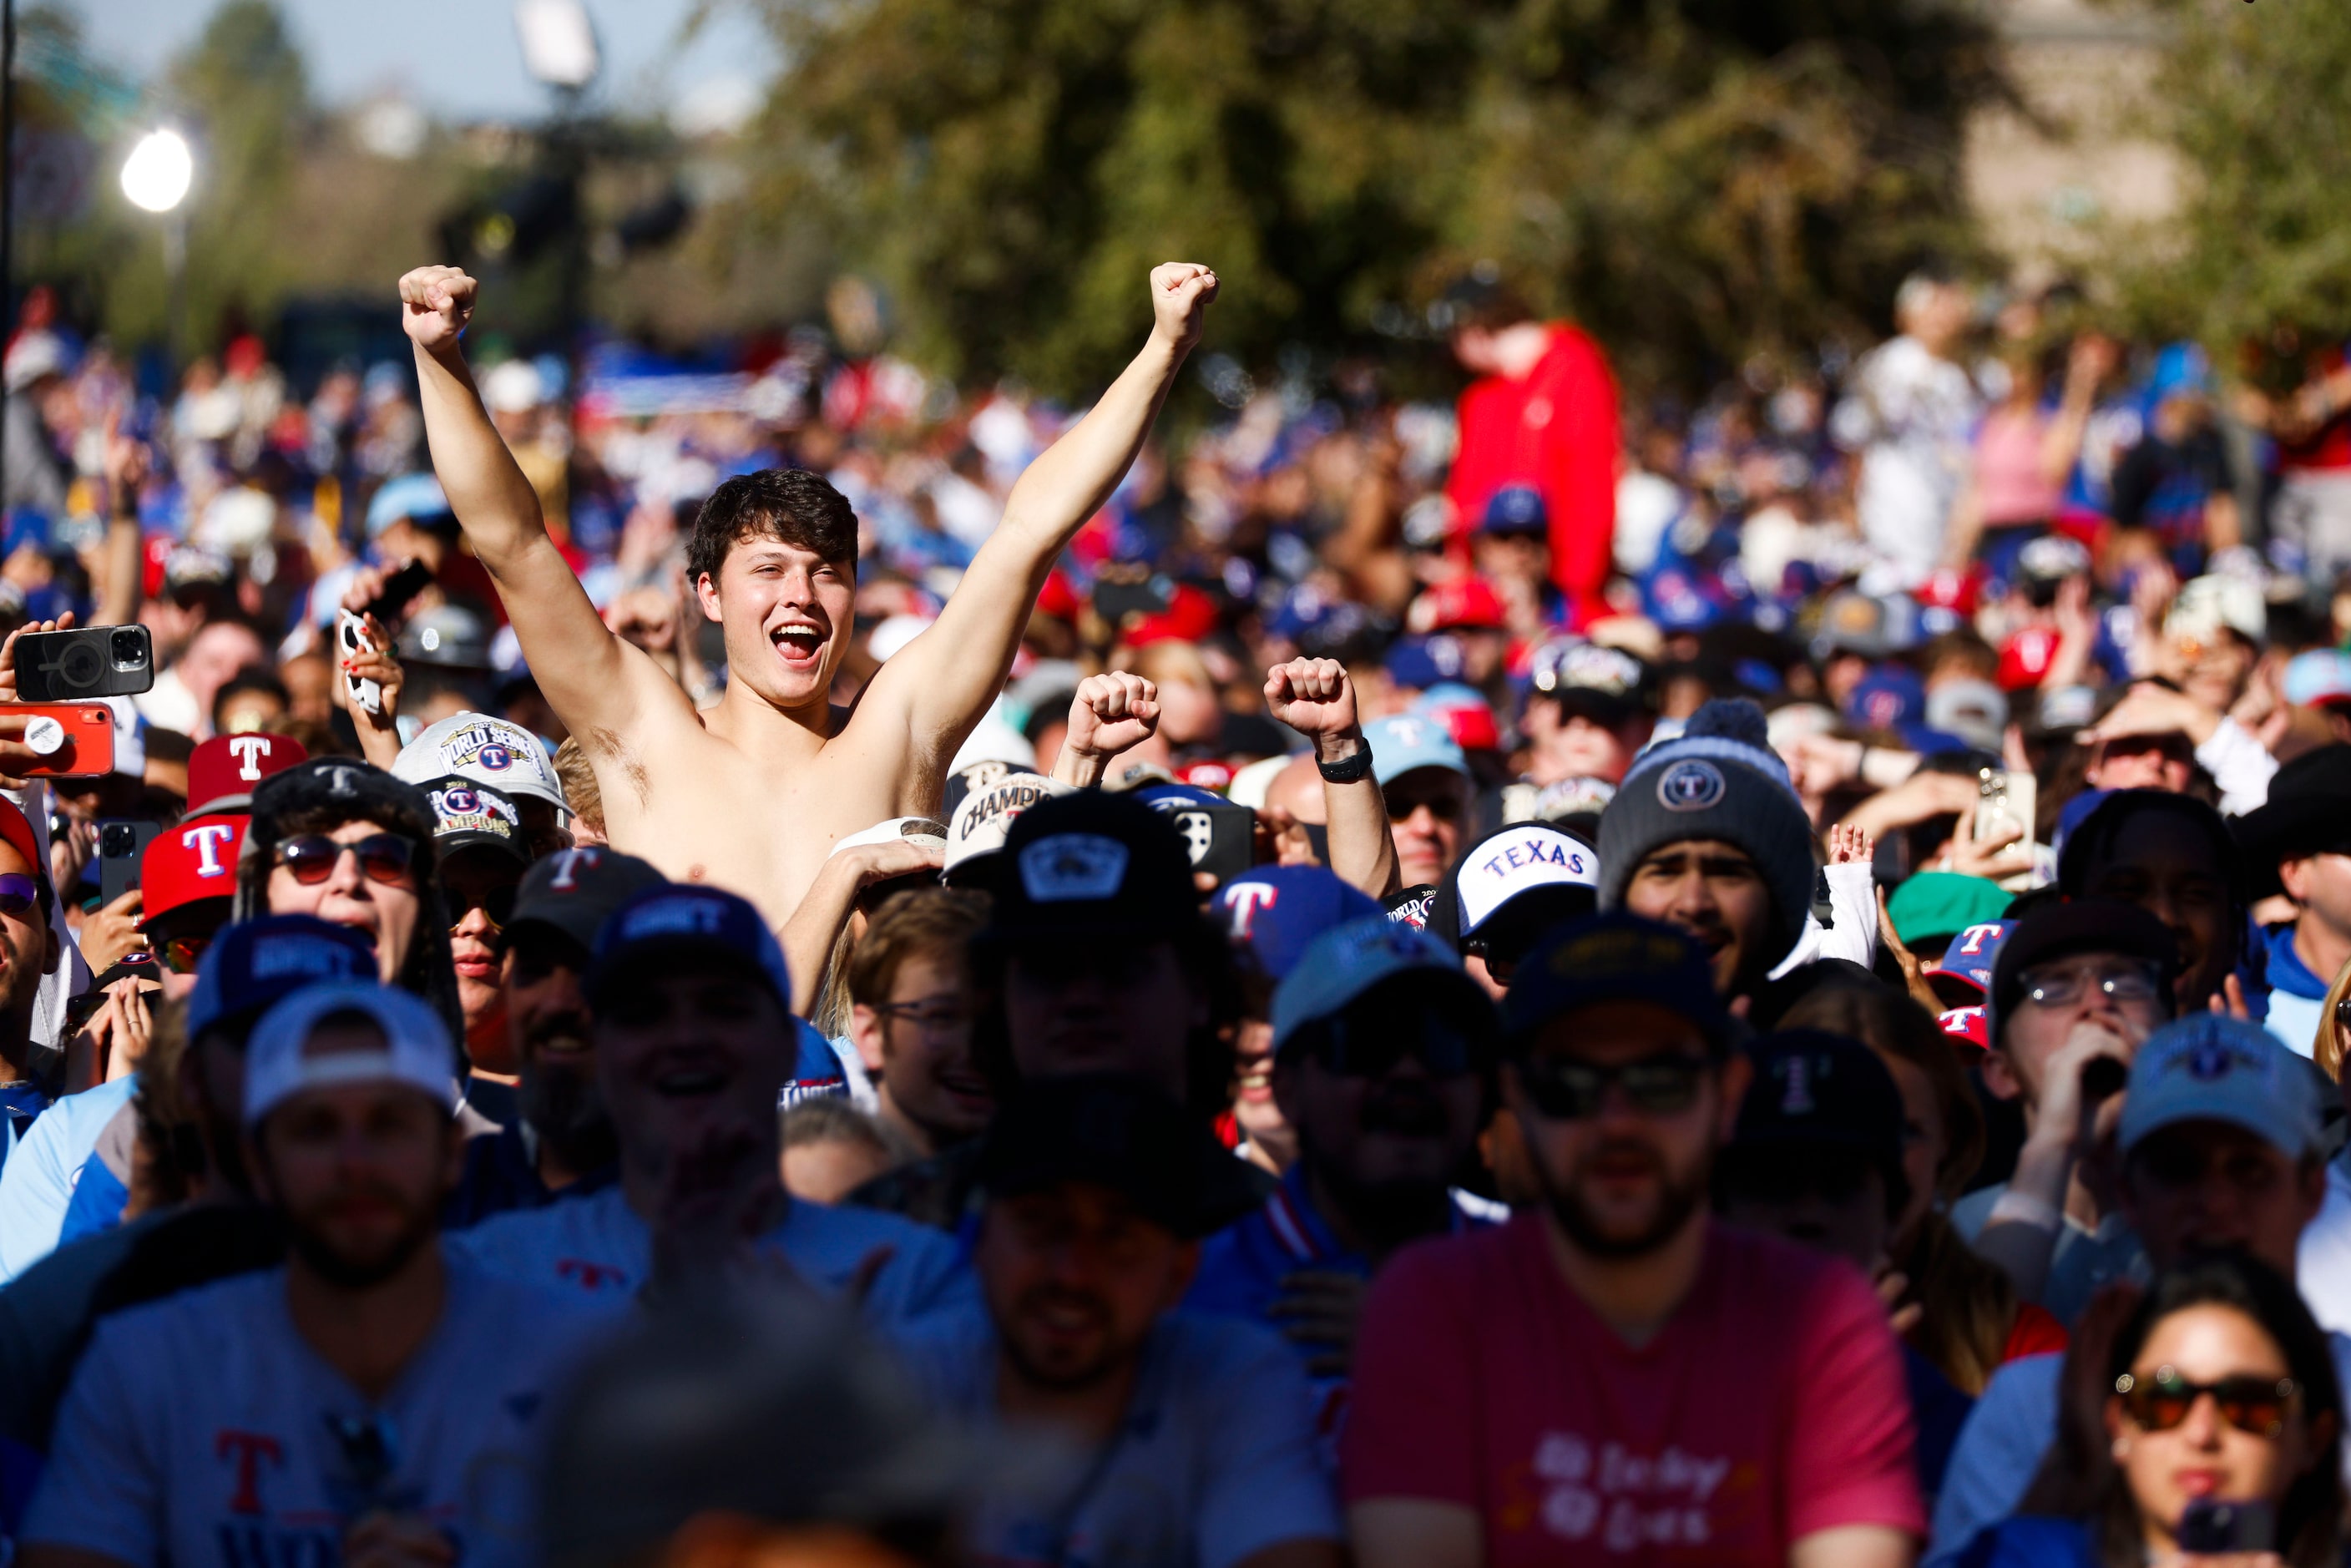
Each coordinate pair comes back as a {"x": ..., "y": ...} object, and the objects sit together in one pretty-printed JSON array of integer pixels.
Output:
[
  {"x": 1772, "y": 1405},
  {"x": 2010, "y": 487}
]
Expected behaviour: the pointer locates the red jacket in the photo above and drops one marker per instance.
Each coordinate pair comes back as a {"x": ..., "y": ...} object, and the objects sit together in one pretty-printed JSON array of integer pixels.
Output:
[{"x": 1557, "y": 431}]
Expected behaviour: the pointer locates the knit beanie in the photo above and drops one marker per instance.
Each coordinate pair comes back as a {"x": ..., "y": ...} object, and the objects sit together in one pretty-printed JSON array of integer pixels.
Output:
[{"x": 1720, "y": 780}]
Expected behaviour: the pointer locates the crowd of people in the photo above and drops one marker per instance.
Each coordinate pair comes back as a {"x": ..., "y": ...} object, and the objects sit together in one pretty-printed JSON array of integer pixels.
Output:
[{"x": 792, "y": 966}]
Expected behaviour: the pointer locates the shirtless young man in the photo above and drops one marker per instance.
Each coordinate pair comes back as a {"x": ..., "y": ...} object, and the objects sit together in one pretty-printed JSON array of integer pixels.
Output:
[{"x": 751, "y": 794}]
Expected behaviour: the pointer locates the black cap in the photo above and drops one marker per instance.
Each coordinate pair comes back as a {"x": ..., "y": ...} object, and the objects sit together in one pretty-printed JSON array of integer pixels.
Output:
[
  {"x": 574, "y": 891},
  {"x": 468, "y": 815},
  {"x": 2305, "y": 815},
  {"x": 1614, "y": 957},
  {"x": 1090, "y": 866},
  {"x": 1120, "y": 1132},
  {"x": 2061, "y": 930},
  {"x": 1813, "y": 1089}
]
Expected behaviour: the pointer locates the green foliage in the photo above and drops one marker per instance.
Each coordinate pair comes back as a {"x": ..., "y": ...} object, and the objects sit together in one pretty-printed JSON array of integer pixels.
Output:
[
  {"x": 246, "y": 87},
  {"x": 2254, "y": 100},
  {"x": 1695, "y": 180}
]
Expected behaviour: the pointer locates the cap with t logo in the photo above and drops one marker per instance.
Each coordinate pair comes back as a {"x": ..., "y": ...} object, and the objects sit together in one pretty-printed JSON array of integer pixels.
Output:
[
  {"x": 191, "y": 860},
  {"x": 223, "y": 771},
  {"x": 572, "y": 893}
]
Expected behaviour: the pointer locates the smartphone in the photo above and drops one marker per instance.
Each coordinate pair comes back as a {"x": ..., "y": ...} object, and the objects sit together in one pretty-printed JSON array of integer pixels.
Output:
[
  {"x": 351, "y": 640},
  {"x": 2209, "y": 1527},
  {"x": 2005, "y": 804},
  {"x": 1219, "y": 838},
  {"x": 94, "y": 661},
  {"x": 398, "y": 589},
  {"x": 76, "y": 740},
  {"x": 121, "y": 843}
]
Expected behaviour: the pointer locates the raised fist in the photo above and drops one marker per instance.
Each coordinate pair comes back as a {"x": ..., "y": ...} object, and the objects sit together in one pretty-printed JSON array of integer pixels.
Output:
[
  {"x": 1313, "y": 697},
  {"x": 1112, "y": 713},
  {"x": 1181, "y": 292},
  {"x": 435, "y": 303}
]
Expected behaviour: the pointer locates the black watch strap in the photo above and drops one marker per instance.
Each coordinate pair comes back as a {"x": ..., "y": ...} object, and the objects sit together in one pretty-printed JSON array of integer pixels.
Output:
[{"x": 1348, "y": 770}]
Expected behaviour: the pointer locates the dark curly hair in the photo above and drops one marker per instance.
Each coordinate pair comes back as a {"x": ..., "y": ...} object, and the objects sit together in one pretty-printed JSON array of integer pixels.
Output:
[{"x": 789, "y": 504}]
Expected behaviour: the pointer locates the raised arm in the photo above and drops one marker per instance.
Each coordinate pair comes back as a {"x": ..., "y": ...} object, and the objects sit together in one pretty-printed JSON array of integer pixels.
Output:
[
  {"x": 590, "y": 677},
  {"x": 940, "y": 684},
  {"x": 1314, "y": 697}
]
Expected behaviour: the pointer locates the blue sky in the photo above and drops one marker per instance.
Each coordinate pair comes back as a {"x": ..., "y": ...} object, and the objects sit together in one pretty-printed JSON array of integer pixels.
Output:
[{"x": 454, "y": 57}]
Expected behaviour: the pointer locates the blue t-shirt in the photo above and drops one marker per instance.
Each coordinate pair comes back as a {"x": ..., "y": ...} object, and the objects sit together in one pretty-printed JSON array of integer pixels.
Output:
[
  {"x": 21, "y": 1104},
  {"x": 203, "y": 1430},
  {"x": 598, "y": 1248},
  {"x": 1215, "y": 1461},
  {"x": 2030, "y": 1542},
  {"x": 38, "y": 1183}
]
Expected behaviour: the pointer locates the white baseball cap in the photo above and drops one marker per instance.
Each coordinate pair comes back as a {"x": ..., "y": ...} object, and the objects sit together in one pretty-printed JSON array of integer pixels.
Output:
[
  {"x": 986, "y": 815},
  {"x": 496, "y": 752},
  {"x": 1518, "y": 859},
  {"x": 279, "y": 1064},
  {"x": 914, "y": 830}
]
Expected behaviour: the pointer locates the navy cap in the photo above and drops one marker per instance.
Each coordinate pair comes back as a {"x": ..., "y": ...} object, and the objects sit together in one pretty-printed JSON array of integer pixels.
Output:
[
  {"x": 1274, "y": 911},
  {"x": 575, "y": 891},
  {"x": 1814, "y": 1088},
  {"x": 1091, "y": 867},
  {"x": 256, "y": 964},
  {"x": 2061, "y": 930},
  {"x": 672, "y": 922},
  {"x": 1614, "y": 957},
  {"x": 1515, "y": 509}
]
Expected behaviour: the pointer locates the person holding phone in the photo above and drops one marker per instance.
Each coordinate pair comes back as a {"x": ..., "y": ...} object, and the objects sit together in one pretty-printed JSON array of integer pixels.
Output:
[{"x": 2222, "y": 1420}]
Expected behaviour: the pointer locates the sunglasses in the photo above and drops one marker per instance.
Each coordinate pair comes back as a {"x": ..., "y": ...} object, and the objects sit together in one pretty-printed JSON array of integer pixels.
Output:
[
  {"x": 313, "y": 857},
  {"x": 1354, "y": 1048},
  {"x": 1570, "y": 1091},
  {"x": 2246, "y": 1401},
  {"x": 181, "y": 955},
  {"x": 17, "y": 894}
]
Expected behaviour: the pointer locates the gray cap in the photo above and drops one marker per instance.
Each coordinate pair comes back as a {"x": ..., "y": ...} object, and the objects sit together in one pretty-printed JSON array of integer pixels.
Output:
[{"x": 768, "y": 1403}]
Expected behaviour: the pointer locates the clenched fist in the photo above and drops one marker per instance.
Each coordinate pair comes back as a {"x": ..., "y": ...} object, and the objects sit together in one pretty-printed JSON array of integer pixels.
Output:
[
  {"x": 1313, "y": 697},
  {"x": 1181, "y": 293},
  {"x": 435, "y": 303},
  {"x": 1112, "y": 713}
]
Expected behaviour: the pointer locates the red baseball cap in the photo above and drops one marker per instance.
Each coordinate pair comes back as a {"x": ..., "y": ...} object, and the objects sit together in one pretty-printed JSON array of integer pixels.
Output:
[
  {"x": 223, "y": 771},
  {"x": 18, "y": 833},
  {"x": 1465, "y": 603},
  {"x": 194, "y": 858},
  {"x": 1967, "y": 1025}
]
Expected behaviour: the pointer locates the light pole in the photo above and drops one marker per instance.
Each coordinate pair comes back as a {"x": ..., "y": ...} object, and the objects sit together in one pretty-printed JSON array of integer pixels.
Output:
[{"x": 155, "y": 178}]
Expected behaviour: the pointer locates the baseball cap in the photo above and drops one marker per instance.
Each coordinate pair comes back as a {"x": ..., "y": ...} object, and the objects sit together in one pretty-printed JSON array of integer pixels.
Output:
[
  {"x": 16, "y": 833},
  {"x": 1114, "y": 1131},
  {"x": 2208, "y": 1067},
  {"x": 1931, "y": 903},
  {"x": 1402, "y": 742},
  {"x": 1464, "y": 712},
  {"x": 256, "y": 964},
  {"x": 1888, "y": 697},
  {"x": 1964, "y": 977},
  {"x": 279, "y": 1064},
  {"x": 1815, "y": 1089},
  {"x": 416, "y": 497},
  {"x": 1974, "y": 710},
  {"x": 703, "y": 924},
  {"x": 190, "y": 861},
  {"x": 2213, "y": 603},
  {"x": 914, "y": 830},
  {"x": 2319, "y": 675},
  {"x": 1606, "y": 684},
  {"x": 986, "y": 815},
  {"x": 1969, "y": 1024},
  {"x": 1614, "y": 957},
  {"x": 1275, "y": 912},
  {"x": 2304, "y": 815},
  {"x": 1515, "y": 510},
  {"x": 574, "y": 891},
  {"x": 1090, "y": 866},
  {"x": 1852, "y": 622},
  {"x": 1512, "y": 884},
  {"x": 486, "y": 750},
  {"x": 2061, "y": 930},
  {"x": 1346, "y": 961},
  {"x": 1417, "y": 663},
  {"x": 1463, "y": 604},
  {"x": 222, "y": 771},
  {"x": 467, "y": 816}
]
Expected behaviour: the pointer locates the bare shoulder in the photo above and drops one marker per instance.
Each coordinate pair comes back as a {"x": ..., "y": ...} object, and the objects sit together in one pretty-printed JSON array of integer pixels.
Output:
[{"x": 658, "y": 748}]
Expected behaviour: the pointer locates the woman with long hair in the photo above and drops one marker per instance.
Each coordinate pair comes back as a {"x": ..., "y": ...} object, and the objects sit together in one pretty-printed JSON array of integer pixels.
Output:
[{"x": 2222, "y": 1421}]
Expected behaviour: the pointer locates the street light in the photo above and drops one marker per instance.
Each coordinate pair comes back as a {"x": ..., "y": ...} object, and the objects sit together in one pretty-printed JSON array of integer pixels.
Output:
[
  {"x": 558, "y": 43},
  {"x": 156, "y": 177},
  {"x": 158, "y": 171}
]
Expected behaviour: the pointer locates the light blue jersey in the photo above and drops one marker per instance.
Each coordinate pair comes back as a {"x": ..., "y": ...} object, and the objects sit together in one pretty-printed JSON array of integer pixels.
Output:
[
  {"x": 202, "y": 1430},
  {"x": 1215, "y": 1461},
  {"x": 37, "y": 1183},
  {"x": 597, "y": 1247}
]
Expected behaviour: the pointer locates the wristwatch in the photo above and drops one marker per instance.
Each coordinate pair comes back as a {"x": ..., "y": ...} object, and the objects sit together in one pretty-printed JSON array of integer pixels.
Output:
[{"x": 1349, "y": 769}]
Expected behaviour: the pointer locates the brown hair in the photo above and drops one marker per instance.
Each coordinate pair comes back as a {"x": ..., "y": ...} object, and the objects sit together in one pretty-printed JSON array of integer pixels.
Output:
[
  {"x": 919, "y": 920},
  {"x": 789, "y": 504},
  {"x": 579, "y": 782},
  {"x": 2326, "y": 1049}
]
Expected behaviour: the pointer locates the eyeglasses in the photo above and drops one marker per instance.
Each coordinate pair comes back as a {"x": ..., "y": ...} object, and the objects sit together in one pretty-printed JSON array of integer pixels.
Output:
[
  {"x": 1354, "y": 1048},
  {"x": 2247, "y": 1401},
  {"x": 1567, "y": 1090},
  {"x": 928, "y": 1017},
  {"x": 17, "y": 894},
  {"x": 181, "y": 955},
  {"x": 2055, "y": 989},
  {"x": 383, "y": 857}
]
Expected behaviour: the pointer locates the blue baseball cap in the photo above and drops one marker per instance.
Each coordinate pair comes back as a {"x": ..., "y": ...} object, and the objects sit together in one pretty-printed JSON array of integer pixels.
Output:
[
  {"x": 1402, "y": 742},
  {"x": 256, "y": 964},
  {"x": 1419, "y": 662},
  {"x": 418, "y": 497},
  {"x": 672, "y": 922},
  {"x": 1515, "y": 509},
  {"x": 1614, "y": 957},
  {"x": 1888, "y": 697},
  {"x": 1963, "y": 978},
  {"x": 2208, "y": 1067},
  {"x": 1274, "y": 912},
  {"x": 2319, "y": 675},
  {"x": 1346, "y": 961}
]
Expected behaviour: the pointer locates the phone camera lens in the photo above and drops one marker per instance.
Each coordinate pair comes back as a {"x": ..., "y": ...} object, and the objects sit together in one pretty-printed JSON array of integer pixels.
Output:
[
  {"x": 116, "y": 841},
  {"x": 129, "y": 652}
]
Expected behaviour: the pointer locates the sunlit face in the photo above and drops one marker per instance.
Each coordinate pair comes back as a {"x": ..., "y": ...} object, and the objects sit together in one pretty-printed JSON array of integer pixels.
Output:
[
  {"x": 917, "y": 1045},
  {"x": 385, "y": 913},
  {"x": 787, "y": 613},
  {"x": 1426, "y": 811},
  {"x": 1714, "y": 891},
  {"x": 692, "y": 1058}
]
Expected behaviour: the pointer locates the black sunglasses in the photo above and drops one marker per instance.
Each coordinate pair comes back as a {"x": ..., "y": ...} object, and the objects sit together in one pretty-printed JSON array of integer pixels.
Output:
[
  {"x": 1570, "y": 1091},
  {"x": 2247, "y": 1401},
  {"x": 312, "y": 858}
]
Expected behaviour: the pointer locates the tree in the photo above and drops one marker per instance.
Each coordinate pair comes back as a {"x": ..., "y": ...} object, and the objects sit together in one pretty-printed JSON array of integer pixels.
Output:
[
  {"x": 1694, "y": 179},
  {"x": 245, "y": 85}
]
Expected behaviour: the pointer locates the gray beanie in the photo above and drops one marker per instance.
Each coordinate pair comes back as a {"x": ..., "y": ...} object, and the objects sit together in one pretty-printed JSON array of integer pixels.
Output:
[{"x": 1720, "y": 778}]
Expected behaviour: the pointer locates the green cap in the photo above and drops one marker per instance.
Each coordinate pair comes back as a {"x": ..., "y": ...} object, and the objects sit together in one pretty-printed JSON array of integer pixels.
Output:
[{"x": 1933, "y": 903}]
